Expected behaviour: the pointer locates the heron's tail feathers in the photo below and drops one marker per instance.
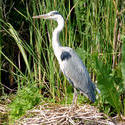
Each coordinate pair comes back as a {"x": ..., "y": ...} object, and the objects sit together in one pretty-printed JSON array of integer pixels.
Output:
[
  {"x": 96, "y": 88},
  {"x": 98, "y": 91},
  {"x": 92, "y": 94}
]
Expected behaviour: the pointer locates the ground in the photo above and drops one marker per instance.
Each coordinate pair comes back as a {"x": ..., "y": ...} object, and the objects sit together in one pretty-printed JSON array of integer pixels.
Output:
[
  {"x": 53, "y": 114},
  {"x": 65, "y": 115}
]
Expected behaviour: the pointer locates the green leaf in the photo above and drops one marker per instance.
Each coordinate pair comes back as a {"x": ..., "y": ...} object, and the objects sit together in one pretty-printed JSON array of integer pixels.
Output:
[
  {"x": 19, "y": 44},
  {"x": 106, "y": 85}
]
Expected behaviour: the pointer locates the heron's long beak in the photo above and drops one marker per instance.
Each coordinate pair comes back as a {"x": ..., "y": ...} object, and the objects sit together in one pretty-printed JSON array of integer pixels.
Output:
[{"x": 44, "y": 16}]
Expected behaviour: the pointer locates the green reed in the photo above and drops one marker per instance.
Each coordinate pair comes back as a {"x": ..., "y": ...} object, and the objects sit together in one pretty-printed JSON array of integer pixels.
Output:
[{"x": 1, "y": 88}]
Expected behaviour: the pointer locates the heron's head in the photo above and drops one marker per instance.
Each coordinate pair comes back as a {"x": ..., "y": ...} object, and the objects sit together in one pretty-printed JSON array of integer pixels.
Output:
[{"x": 53, "y": 15}]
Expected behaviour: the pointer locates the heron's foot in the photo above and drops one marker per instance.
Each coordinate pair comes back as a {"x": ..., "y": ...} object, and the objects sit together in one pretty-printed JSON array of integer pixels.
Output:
[{"x": 73, "y": 108}]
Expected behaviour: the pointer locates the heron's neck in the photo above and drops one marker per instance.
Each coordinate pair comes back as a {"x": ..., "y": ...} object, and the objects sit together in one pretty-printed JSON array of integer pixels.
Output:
[{"x": 55, "y": 37}]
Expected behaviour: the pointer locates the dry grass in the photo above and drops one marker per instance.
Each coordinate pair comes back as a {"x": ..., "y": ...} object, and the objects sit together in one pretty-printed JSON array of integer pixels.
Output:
[
  {"x": 2, "y": 109},
  {"x": 64, "y": 115},
  {"x": 3, "y": 114}
]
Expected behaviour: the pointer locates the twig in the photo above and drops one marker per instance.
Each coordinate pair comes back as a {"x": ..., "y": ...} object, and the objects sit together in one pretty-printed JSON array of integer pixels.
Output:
[{"x": 49, "y": 115}]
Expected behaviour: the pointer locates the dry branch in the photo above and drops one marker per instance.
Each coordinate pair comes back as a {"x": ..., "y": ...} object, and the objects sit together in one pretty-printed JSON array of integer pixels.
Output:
[{"x": 65, "y": 115}]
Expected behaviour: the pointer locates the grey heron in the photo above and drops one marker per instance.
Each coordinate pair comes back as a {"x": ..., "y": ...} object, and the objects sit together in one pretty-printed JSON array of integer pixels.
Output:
[{"x": 70, "y": 63}]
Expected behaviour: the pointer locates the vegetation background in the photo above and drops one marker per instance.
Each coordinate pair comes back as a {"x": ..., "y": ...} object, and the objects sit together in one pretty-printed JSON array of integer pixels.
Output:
[{"x": 29, "y": 71}]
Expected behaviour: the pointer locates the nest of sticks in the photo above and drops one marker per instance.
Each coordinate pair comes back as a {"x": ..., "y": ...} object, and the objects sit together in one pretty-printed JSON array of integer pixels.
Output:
[{"x": 65, "y": 115}]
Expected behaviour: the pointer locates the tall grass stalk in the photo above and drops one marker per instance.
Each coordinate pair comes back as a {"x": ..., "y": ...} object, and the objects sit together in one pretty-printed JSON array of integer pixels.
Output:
[
  {"x": 123, "y": 60},
  {"x": 1, "y": 88},
  {"x": 123, "y": 68}
]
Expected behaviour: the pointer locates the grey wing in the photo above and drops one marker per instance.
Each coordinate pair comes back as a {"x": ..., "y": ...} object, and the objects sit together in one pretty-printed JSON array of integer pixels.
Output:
[{"x": 77, "y": 74}]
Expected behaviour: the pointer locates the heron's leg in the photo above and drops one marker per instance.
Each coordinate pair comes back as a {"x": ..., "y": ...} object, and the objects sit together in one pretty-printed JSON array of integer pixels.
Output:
[{"x": 74, "y": 97}]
